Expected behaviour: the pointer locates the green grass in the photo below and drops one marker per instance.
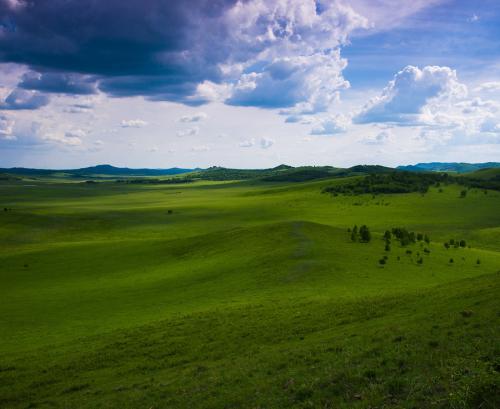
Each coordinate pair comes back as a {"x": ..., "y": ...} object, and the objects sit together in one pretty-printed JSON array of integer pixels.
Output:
[{"x": 250, "y": 294}]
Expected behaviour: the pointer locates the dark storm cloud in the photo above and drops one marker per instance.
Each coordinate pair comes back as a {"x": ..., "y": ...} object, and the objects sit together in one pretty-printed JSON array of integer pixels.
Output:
[
  {"x": 161, "y": 43},
  {"x": 62, "y": 83}
]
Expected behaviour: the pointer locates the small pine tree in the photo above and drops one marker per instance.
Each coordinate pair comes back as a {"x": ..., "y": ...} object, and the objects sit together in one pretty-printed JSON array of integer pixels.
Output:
[
  {"x": 354, "y": 233},
  {"x": 447, "y": 245},
  {"x": 478, "y": 261},
  {"x": 364, "y": 233},
  {"x": 427, "y": 239},
  {"x": 382, "y": 261},
  {"x": 463, "y": 194},
  {"x": 451, "y": 260},
  {"x": 420, "y": 236},
  {"x": 387, "y": 247},
  {"x": 463, "y": 243},
  {"x": 387, "y": 235}
]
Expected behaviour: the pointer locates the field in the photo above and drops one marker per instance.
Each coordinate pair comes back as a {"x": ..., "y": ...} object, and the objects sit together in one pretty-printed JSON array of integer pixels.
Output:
[{"x": 245, "y": 294}]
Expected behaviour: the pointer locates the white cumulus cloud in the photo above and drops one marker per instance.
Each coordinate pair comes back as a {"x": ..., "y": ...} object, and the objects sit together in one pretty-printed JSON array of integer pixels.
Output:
[
  {"x": 403, "y": 100},
  {"x": 331, "y": 125}
]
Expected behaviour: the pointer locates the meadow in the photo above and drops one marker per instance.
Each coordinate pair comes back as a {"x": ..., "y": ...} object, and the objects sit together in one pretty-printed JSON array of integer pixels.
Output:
[{"x": 246, "y": 294}]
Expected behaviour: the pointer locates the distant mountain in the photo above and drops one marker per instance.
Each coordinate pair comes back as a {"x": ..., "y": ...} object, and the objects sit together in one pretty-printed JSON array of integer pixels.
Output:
[
  {"x": 456, "y": 167},
  {"x": 99, "y": 170}
]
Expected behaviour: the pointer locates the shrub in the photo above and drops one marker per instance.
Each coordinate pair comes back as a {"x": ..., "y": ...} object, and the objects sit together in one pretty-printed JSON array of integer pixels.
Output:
[
  {"x": 463, "y": 194},
  {"x": 451, "y": 260},
  {"x": 382, "y": 261},
  {"x": 463, "y": 243}
]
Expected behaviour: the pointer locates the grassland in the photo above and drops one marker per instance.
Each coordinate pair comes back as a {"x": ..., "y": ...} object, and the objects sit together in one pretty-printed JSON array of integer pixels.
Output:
[{"x": 245, "y": 294}]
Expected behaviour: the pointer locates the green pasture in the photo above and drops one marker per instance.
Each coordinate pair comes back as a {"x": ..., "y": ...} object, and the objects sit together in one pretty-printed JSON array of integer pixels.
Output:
[{"x": 245, "y": 295}]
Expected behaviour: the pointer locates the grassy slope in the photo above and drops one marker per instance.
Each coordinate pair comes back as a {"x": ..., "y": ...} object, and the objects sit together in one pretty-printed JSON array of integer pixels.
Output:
[{"x": 229, "y": 284}]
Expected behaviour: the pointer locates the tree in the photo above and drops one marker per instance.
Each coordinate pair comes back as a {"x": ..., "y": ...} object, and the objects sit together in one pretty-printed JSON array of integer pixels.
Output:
[
  {"x": 354, "y": 233},
  {"x": 387, "y": 235},
  {"x": 420, "y": 236},
  {"x": 463, "y": 243},
  {"x": 478, "y": 261},
  {"x": 382, "y": 261},
  {"x": 463, "y": 194},
  {"x": 447, "y": 245},
  {"x": 387, "y": 247},
  {"x": 427, "y": 239},
  {"x": 364, "y": 233},
  {"x": 451, "y": 260}
]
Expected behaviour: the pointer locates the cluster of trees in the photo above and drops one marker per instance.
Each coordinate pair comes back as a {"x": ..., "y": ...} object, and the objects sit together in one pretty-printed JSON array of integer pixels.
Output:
[
  {"x": 455, "y": 243},
  {"x": 170, "y": 181},
  {"x": 395, "y": 182},
  {"x": 492, "y": 183},
  {"x": 405, "y": 237},
  {"x": 362, "y": 234}
]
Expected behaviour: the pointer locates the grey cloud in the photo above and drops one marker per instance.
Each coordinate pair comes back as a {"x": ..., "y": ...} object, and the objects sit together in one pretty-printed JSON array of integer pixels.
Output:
[{"x": 22, "y": 99}]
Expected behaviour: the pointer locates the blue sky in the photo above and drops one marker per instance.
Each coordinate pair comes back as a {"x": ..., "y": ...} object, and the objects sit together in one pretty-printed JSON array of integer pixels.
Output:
[{"x": 248, "y": 84}]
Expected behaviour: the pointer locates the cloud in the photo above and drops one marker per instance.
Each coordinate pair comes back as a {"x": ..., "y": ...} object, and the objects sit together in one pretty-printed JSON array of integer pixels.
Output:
[
  {"x": 200, "y": 116},
  {"x": 6, "y": 128},
  {"x": 331, "y": 125},
  {"x": 248, "y": 143},
  {"x": 78, "y": 108},
  {"x": 133, "y": 123},
  {"x": 403, "y": 100},
  {"x": 200, "y": 148},
  {"x": 266, "y": 143},
  {"x": 473, "y": 18},
  {"x": 21, "y": 99},
  {"x": 188, "y": 132},
  {"x": 75, "y": 133},
  {"x": 488, "y": 87},
  {"x": 61, "y": 83},
  {"x": 379, "y": 139},
  {"x": 273, "y": 53}
]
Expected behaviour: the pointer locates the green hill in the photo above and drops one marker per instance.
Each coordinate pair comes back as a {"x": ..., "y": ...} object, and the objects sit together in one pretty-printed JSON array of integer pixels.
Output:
[{"x": 246, "y": 294}]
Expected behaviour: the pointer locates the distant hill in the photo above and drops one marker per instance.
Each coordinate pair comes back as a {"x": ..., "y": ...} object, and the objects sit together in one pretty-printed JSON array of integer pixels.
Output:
[
  {"x": 281, "y": 173},
  {"x": 285, "y": 173},
  {"x": 99, "y": 170},
  {"x": 456, "y": 167}
]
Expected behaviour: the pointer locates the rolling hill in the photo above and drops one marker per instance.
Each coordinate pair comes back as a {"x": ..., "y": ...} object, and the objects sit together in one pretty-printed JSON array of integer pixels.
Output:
[{"x": 246, "y": 293}]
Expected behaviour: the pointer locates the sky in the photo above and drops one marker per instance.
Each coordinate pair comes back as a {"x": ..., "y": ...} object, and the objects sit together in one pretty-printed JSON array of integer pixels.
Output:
[{"x": 248, "y": 83}]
